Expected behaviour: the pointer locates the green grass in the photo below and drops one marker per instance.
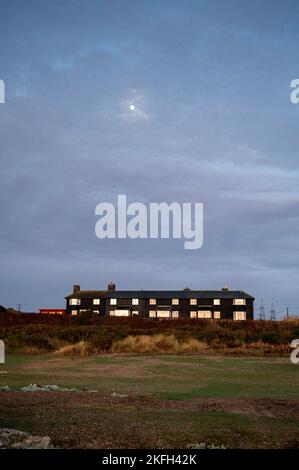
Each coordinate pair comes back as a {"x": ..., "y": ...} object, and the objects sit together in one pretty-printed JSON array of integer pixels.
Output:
[
  {"x": 95, "y": 422},
  {"x": 170, "y": 377}
]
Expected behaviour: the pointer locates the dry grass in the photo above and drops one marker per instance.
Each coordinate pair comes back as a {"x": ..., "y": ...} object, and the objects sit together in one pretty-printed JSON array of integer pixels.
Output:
[
  {"x": 82, "y": 348},
  {"x": 160, "y": 343},
  {"x": 268, "y": 348},
  {"x": 166, "y": 343}
]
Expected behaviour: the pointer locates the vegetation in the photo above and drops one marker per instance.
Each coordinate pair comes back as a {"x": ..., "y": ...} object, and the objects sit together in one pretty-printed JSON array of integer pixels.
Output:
[
  {"x": 45, "y": 333},
  {"x": 150, "y": 401}
]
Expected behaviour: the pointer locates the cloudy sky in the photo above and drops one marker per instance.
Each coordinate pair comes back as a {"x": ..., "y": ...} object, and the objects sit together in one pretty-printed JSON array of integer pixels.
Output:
[{"x": 213, "y": 123}]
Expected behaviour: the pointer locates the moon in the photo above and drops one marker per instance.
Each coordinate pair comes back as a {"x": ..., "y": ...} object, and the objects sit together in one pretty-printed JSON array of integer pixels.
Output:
[{"x": 131, "y": 107}]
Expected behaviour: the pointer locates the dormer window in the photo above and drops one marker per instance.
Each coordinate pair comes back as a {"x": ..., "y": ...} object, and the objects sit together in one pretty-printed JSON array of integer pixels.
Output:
[
  {"x": 113, "y": 302},
  {"x": 216, "y": 301},
  {"x": 75, "y": 301},
  {"x": 175, "y": 302},
  {"x": 96, "y": 301},
  {"x": 135, "y": 301}
]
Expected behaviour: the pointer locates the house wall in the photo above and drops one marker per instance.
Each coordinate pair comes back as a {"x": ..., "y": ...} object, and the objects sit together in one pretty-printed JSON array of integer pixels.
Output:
[{"x": 226, "y": 307}]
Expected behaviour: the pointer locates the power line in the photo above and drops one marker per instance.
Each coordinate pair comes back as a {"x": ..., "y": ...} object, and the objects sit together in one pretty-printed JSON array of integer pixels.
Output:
[
  {"x": 272, "y": 313},
  {"x": 262, "y": 310}
]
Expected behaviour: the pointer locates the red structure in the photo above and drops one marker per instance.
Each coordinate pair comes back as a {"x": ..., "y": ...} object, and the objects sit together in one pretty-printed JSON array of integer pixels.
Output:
[{"x": 52, "y": 311}]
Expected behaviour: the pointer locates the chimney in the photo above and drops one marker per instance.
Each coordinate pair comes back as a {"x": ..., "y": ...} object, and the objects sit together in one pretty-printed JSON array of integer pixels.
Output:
[
  {"x": 225, "y": 288},
  {"x": 111, "y": 286},
  {"x": 76, "y": 288}
]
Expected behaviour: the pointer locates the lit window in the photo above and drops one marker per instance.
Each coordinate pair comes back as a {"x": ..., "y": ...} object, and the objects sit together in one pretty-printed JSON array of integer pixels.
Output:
[
  {"x": 193, "y": 314},
  {"x": 74, "y": 312},
  {"x": 135, "y": 301},
  {"x": 163, "y": 313},
  {"x": 217, "y": 315},
  {"x": 175, "y": 301},
  {"x": 120, "y": 313},
  {"x": 193, "y": 301},
  {"x": 134, "y": 312},
  {"x": 152, "y": 313},
  {"x": 204, "y": 314},
  {"x": 152, "y": 301},
  {"x": 96, "y": 311},
  {"x": 239, "y": 315},
  {"x": 239, "y": 301},
  {"x": 112, "y": 301},
  {"x": 175, "y": 314},
  {"x": 75, "y": 301},
  {"x": 216, "y": 301},
  {"x": 96, "y": 301}
]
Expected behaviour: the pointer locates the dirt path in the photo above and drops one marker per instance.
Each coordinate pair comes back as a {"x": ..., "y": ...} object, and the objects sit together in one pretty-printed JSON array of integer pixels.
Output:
[{"x": 63, "y": 400}]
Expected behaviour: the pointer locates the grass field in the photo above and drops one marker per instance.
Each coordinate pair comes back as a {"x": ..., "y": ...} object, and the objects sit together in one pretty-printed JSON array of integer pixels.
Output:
[{"x": 165, "y": 401}]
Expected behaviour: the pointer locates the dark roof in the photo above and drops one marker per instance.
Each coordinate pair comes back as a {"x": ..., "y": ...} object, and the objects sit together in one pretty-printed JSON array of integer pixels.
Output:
[
  {"x": 87, "y": 294},
  {"x": 163, "y": 294}
]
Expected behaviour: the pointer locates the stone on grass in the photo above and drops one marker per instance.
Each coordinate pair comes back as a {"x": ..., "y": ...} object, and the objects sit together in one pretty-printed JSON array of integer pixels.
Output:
[{"x": 14, "y": 439}]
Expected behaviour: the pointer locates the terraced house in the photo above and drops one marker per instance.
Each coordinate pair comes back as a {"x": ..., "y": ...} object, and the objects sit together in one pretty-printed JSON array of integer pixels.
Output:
[{"x": 209, "y": 304}]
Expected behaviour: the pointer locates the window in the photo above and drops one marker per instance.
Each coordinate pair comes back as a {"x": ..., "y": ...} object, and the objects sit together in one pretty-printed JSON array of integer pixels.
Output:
[
  {"x": 175, "y": 314},
  {"x": 120, "y": 313},
  {"x": 204, "y": 314},
  {"x": 134, "y": 312},
  {"x": 216, "y": 301},
  {"x": 152, "y": 313},
  {"x": 96, "y": 301},
  {"x": 135, "y": 301},
  {"x": 239, "y": 301},
  {"x": 96, "y": 311},
  {"x": 193, "y": 301},
  {"x": 75, "y": 301},
  {"x": 163, "y": 313},
  {"x": 175, "y": 301},
  {"x": 83, "y": 311},
  {"x": 112, "y": 301},
  {"x": 217, "y": 315},
  {"x": 193, "y": 314},
  {"x": 152, "y": 301},
  {"x": 74, "y": 312},
  {"x": 239, "y": 315}
]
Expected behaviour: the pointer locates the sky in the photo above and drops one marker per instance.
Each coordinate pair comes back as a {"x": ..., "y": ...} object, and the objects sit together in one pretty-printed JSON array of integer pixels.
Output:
[{"x": 213, "y": 123}]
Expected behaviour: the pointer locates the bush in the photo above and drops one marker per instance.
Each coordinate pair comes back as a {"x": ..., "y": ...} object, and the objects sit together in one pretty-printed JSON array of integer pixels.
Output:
[{"x": 52, "y": 332}]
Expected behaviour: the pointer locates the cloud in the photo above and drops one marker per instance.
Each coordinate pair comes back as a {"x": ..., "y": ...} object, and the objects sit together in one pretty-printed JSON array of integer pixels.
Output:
[{"x": 212, "y": 123}]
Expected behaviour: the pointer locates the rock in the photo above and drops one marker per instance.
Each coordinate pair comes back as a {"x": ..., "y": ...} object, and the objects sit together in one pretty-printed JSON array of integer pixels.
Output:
[
  {"x": 47, "y": 388},
  {"x": 14, "y": 439},
  {"x": 118, "y": 395}
]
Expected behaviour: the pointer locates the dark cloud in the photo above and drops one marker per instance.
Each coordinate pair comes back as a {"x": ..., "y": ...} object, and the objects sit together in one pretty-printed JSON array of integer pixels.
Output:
[{"x": 213, "y": 123}]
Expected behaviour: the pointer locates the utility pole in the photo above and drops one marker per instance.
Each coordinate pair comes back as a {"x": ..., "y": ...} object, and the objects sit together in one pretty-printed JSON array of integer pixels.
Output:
[
  {"x": 19, "y": 307},
  {"x": 272, "y": 313},
  {"x": 262, "y": 310},
  {"x": 287, "y": 313}
]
